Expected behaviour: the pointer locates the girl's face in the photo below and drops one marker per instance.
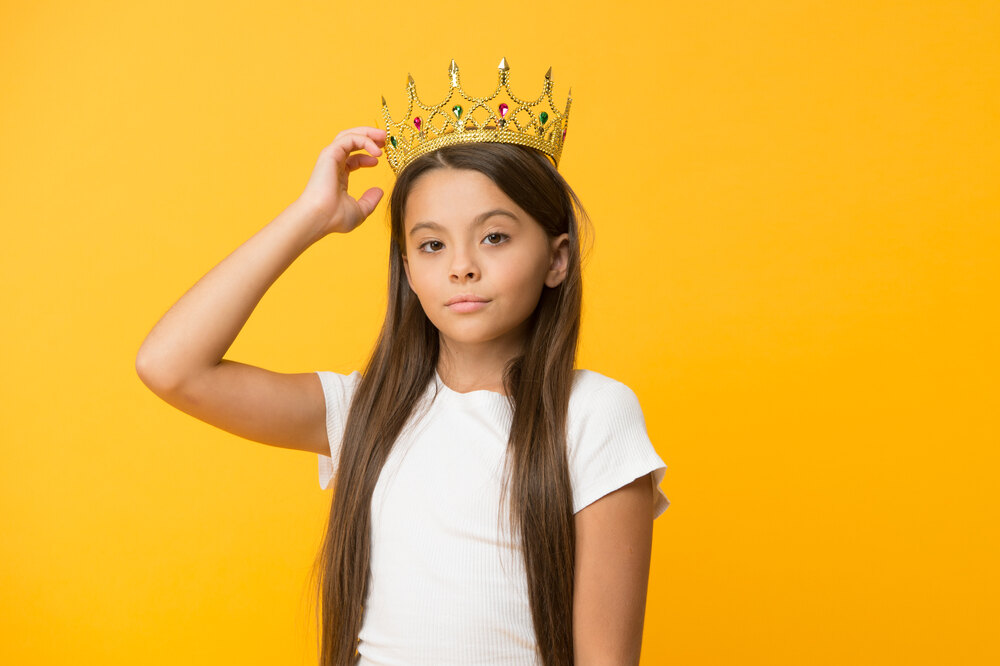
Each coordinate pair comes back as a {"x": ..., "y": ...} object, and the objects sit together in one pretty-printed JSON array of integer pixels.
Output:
[{"x": 465, "y": 237}]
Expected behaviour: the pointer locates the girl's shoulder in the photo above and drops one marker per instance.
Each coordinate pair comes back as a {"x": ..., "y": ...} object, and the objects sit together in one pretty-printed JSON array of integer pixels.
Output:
[{"x": 590, "y": 386}]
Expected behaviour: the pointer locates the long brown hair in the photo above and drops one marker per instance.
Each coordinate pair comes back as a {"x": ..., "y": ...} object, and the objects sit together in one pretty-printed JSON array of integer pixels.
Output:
[{"x": 537, "y": 383}]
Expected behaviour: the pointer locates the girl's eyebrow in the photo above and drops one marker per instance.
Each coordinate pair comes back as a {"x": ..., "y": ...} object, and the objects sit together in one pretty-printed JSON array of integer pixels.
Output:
[{"x": 479, "y": 220}]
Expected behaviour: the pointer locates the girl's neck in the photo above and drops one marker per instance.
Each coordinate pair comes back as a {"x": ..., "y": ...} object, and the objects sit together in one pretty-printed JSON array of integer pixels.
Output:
[
  {"x": 471, "y": 366},
  {"x": 474, "y": 372},
  {"x": 472, "y": 377}
]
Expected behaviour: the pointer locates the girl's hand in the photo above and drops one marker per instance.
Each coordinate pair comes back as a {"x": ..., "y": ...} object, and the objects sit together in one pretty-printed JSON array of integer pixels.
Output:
[{"x": 326, "y": 192}]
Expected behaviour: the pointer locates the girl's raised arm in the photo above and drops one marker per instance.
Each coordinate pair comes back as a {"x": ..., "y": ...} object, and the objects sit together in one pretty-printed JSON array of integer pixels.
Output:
[{"x": 181, "y": 359}]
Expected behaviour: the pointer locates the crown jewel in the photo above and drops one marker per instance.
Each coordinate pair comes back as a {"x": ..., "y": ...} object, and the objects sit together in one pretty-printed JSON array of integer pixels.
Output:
[{"x": 537, "y": 124}]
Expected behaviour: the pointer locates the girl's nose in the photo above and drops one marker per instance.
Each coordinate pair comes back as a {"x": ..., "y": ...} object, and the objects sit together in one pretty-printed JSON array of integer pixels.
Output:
[{"x": 463, "y": 265}]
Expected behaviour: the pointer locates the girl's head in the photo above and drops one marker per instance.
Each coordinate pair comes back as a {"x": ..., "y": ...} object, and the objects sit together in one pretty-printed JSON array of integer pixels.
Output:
[{"x": 490, "y": 220}]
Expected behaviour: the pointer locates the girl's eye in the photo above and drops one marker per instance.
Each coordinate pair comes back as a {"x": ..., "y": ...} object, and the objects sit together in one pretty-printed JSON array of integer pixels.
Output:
[
  {"x": 497, "y": 233},
  {"x": 502, "y": 238}
]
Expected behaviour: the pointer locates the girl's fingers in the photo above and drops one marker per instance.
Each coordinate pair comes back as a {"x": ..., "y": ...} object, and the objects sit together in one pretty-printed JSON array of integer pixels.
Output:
[
  {"x": 369, "y": 200},
  {"x": 356, "y": 138},
  {"x": 344, "y": 145},
  {"x": 359, "y": 160}
]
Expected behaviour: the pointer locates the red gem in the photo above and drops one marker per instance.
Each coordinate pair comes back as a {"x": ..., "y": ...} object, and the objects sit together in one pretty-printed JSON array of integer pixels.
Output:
[
  {"x": 503, "y": 110},
  {"x": 416, "y": 121},
  {"x": 564, "y": 135}
]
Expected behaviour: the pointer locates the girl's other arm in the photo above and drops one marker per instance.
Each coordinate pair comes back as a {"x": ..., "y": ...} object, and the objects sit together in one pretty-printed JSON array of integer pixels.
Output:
[
  {"x": 614, "y": 541},
  {"x": 181, "y": 359}
]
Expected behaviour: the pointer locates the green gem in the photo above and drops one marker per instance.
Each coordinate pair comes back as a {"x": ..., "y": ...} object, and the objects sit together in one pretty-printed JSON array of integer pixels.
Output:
[
  {"x": 392, "y": 140},
  {"x": 457, "y": 110},
  {"x": 544, "y": 116}
]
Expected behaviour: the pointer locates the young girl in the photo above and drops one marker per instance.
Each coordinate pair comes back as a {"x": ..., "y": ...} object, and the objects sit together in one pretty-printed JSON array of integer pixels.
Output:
[{"x": 491, "y": 504}]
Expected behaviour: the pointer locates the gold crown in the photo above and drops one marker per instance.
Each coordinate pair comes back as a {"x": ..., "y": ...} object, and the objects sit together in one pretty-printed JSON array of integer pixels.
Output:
[{"x": 481, "y": 119}]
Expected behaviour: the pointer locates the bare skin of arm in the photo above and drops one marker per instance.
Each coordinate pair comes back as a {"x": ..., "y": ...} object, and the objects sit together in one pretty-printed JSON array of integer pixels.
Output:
[
  {"x": 614, "y": 541},
  {"x": 181, "y": 359}
]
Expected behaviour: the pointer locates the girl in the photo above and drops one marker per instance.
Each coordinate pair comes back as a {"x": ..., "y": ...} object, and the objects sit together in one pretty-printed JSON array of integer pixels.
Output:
[{"x": 491, "y": 504}]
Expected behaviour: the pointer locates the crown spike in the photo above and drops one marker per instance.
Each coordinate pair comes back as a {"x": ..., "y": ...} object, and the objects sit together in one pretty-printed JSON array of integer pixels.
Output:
[
  {"x": 409, "y": 79},
  {"x": 503, "y": 65},
  {"x": 548, "y": 74},
  {"x": 453, "y": 71},
  {"x": 383, "y": 100}
]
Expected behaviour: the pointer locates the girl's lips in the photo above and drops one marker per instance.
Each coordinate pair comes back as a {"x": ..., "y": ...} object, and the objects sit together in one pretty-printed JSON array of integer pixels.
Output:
[{"x": 467, "y": 306}]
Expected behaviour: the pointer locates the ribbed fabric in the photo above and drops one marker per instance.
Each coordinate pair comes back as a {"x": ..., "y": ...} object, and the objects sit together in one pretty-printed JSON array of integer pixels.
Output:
[{"x": 448, "y": 585}]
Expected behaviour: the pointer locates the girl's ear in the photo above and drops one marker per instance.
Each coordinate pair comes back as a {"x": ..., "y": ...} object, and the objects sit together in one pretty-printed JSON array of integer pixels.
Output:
[
  {"x": 560, "y": 261},
  {"x": 406, "y": 267}
]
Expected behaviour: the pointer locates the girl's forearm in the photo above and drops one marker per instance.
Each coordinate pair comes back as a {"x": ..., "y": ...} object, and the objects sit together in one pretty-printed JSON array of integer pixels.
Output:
[{"x": 199, "y": 328}]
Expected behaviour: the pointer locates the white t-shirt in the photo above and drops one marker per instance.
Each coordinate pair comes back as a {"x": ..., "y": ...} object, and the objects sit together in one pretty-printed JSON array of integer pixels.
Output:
[{"x": 448, "y": 585}]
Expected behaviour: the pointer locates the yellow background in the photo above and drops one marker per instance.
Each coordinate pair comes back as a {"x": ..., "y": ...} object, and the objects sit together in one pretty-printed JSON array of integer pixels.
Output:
[{"x": 795, "y": 267}]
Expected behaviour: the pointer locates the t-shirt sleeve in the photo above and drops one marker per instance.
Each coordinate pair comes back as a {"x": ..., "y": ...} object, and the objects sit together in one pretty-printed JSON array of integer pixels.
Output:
[
  {"x": 609, "y": 447},
  {"x": 338, "y": 390}
]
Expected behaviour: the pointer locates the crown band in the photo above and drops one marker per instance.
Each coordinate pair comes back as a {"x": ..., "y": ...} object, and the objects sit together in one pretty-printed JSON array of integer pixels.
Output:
[{"x": 544, "y": 127}]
